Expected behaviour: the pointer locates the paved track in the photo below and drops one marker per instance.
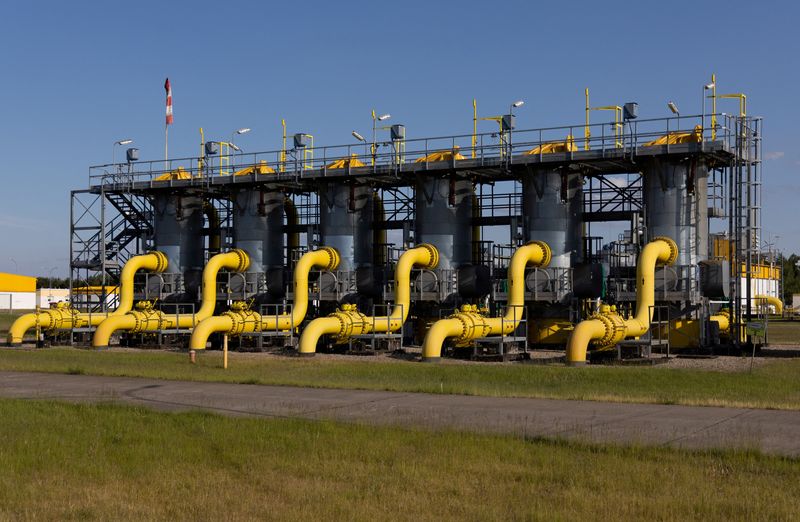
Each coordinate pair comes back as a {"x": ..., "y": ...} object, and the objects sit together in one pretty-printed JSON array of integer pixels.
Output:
[{"x": 771, "y": 431}]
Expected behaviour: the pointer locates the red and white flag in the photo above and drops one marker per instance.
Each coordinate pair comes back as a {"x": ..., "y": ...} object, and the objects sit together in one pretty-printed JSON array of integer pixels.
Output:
[{"x": 168, "y": 88}]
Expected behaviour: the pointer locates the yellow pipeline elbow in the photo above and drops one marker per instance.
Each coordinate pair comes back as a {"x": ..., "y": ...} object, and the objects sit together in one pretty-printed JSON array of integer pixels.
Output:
[
  {"x": 102, "y": 336},
  {"x": 314, "y": 332},
  {"x": 583, "y": 334},
  {"x": 207, "y": 327},
  {"x": 437, "y": 335},
  {"x": 17, "y": 331}
]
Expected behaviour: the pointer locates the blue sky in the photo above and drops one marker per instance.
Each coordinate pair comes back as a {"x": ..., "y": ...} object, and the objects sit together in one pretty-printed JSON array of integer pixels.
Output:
[{"x": 80, "y": 75}]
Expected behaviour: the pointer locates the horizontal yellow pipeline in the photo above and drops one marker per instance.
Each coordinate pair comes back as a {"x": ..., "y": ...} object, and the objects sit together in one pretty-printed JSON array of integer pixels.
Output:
[
  {"x": 607, "y": 328},
  {"x": 65, "y": 317},
  {"x": 240, "y": 320},
  {"x": 770, "y": 300},
  {"x": 468, "y": 324},
  {"x": 348, "y": 321},
  {"x": 147, "y": 319}
]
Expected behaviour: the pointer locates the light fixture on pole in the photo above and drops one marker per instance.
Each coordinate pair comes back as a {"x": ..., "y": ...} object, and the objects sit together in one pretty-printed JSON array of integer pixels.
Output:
[
  {"x": 241, "y": 131},
  {"x": 516, "y": 104},
  {"x": 126, "y": 141},
  {"x": 707, "y": 87},
  {"x": 675, "y": 111},
  {"x": 362, "y": 139},
  {"x": 673, "y": 108}
]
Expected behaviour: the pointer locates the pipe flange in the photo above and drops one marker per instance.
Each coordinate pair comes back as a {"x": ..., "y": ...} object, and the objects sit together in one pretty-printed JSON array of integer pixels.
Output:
[
  {"x": 614, "y": 330},
  {"x": 462, "y": 318},
  {"x": 673, "y": 249},
  {"x": 244, "y": 259},
  {"x": 433, "y": 254},
  {"x": 547, "y": 253},
  {"x": 161, "y": 261},
  {"x": 333, "y": 258}
]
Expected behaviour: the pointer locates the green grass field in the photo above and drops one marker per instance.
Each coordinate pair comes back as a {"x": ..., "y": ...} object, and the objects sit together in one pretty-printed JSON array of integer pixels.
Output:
[
  {"x": 771, "y": 386},
  {"x": 784, "y": 332},
  {"x": 102, "y": 462}
]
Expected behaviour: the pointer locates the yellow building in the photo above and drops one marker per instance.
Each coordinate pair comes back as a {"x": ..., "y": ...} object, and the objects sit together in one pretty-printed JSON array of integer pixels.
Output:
[{"x": 17, "y": 292}]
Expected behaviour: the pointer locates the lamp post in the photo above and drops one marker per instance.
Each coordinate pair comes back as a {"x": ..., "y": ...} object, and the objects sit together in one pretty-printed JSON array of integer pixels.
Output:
[
  {"x": 241, "y": 131},
  {"x": 126, "y": 141},
  {"x": 516, "y": 104},
  {"x": 16, "y": 266},
  {"x": 708, "y": 87},
  {"x": 362, "y": 139},
  {"x": 674, "y": 109},
  {"x": 375, "y": 120}
]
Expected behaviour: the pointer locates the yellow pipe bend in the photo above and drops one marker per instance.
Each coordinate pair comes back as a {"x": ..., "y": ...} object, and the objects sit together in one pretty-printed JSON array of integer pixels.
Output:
[
  {"x": 771, "y": 300},
  {"x": 351, "y": 322},
  {"x": 474, "y": 325},
  {"x": 64, "y": 317},
  {"x": 660, "y": 251},
  {"x": 149, "y": 320},
  {"x": 240, "y": 320},
  {"x": 723, "y": 318}
]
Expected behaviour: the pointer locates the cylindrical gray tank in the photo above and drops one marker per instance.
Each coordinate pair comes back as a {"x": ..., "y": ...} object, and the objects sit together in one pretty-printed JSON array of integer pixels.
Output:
[
  {"x": 444, "y": 219},
  {"x": 552, "y": 205},
  {"x": 345, "y": 223},
  {"x": 258, "y": 227},
  {"x": 675, "y": 199},
  {"x": 178, "y": 234}
]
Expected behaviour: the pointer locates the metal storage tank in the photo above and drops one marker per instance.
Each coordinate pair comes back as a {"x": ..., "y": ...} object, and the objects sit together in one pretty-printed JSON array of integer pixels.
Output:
[
  {"x": 258, "y": 227},
  {"x": 178, "y": 234},
  {"x": 552, "y": 206},
  {"x": 345, "y": 223},
  {"x": 675, "y": 199},
  {"x": 258, "y": 230},
  {"x": 444, "y": 219}
]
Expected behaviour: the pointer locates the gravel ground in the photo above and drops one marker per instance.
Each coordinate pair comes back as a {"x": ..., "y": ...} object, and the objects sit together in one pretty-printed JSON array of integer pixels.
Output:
[{"x": 722, "y": 363}]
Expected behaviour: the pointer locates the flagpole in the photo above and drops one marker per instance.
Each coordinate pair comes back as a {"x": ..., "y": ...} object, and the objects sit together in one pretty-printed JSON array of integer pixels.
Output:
[{"x": 166, "y": 147}]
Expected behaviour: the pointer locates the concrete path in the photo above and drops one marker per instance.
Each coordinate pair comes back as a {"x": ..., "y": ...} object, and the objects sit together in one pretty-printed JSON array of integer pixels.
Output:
[{"x": 771, "y": 431}]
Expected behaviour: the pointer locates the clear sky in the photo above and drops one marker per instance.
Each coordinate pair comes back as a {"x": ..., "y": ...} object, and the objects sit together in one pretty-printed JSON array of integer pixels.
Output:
[{"x": 78, "y": 76}]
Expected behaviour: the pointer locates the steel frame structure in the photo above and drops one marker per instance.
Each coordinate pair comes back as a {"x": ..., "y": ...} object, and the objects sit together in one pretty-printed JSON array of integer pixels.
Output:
[{"x": 112, "y": 219}]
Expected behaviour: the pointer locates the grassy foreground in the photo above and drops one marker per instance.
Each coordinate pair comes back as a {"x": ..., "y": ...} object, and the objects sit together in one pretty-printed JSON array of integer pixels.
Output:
[
  {"x": 100, "y": 462},
  {"x": 771, "y": 386}
]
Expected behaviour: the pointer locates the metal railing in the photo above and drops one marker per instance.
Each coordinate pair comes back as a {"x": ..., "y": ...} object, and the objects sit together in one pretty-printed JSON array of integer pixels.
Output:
[{"x": 490, "y": 151}]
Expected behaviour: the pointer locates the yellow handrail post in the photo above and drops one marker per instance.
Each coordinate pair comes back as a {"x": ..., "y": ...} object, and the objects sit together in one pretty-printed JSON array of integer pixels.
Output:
[
  {"x": 587, "y": 133},
  {"x": 713, "y": 106},
  {"x": 202, "y": 163},
  {"x": 474, "y": 126},
  {"x": 283, "y": 148}
]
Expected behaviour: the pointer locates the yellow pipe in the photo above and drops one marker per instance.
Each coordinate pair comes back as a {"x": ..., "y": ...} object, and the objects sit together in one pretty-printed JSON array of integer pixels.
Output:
[
  {"x": 468, "y": 324},
  {"x": 239, "y": 319},
  {"x": 772, "y": 301},
  {"x": 64, "y": 317},
  {"x": 347, "y": 321},
  {"x": 146, "y": 319},
  {"x": 607, "y": 328}
]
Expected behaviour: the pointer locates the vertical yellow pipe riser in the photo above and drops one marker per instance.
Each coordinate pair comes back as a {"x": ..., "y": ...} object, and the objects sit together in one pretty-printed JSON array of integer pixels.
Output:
[
  {"x": 470, "y": 325},
  {"x": 237, "y": 322},
  {"x": 154, "y": 320},
  {"x": 65, "y": 317},
  {"x": 660, "y": 251},
  {"x": 351, "y": 322}
]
